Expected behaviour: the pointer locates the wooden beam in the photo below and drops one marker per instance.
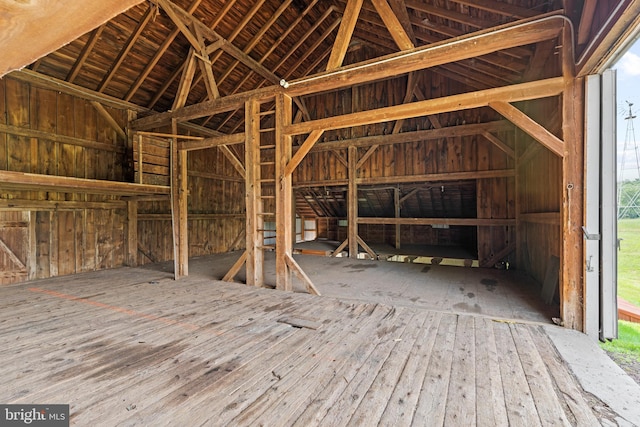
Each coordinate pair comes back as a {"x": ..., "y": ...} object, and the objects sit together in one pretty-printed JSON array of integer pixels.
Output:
[
  {"x": 86, "y": 50},
  {"x": 352, "y": 202},
  {"x": 207, "y": 108},
  {"x": 160, "y": 51},
  {"x": 413, "y": 136},
  {"x": 38, "y": 182},
  {"x": 340, "y": 248},
  {"x": 188, "y": 71},
  {"x": 168, "y": 7},
  {"x": 58, "y": 205},
  {"x": 519, "y": 92},
  {"x": 300, "y": 274},
  {"x": 434, "y": 177},
  {"x": 49, "y": 136},
  {"x": 255, "y": 256},
  {"x": 500, "y": 8},
  {"x": 235, "y": 268},
  {"x": 131, "y": 256},
  {"x": 366, "y": 247},
  {"x": 109, "y": 119},
  {"x": 11, "y": 255},
  {"x": 285, "y": 226},
  {"x": 464, "y": 47},
  {"x": 572, "y": 242},
  {"x": 396, "y": 206},
  {"x": 528, "y": 125},
  {"x": 179, "y": 207},
  {"x": 366, "y": 156},
  {"x": 349, "y": 21},
  {"x": 133, "y": 38},
  {"x": 491, "y": 222},
  {"x": 235, "y": 162},
  {"x": 499, "y": 143},
  {"x": 214, "y": 141},
  {"x": 302, "y": 151},
  {"x": 488, "y": 263},
  {"x": 393, "y": 24},
  {"x": 206, "y": 66}
]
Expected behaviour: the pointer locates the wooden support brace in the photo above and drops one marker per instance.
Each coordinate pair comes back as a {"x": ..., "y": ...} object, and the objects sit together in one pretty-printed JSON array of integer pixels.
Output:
[
  {"x": 237, "y": 164},
  {"x": 110, "y": 120},
  {"x": 12, "y": 256},
  {"x": 308, "y": 144},
  {"x": 366, "y": 247},
  {"x": 235, "y": 268},
  {"x": 498, "y": 143},
  {"x": 340, "y": 248},
  {"x": 498, "y": 256},
  {"x": 528, "y": 125},
  {"x": 300, "y": 274},
  {"x": 237, "y": 240},
  {"x": 366, "y": 156}
]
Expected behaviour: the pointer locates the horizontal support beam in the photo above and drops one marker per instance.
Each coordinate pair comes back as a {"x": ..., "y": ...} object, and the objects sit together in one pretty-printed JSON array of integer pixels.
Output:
[
  {"x": 207, "y": 108},
  {"x": 62, "y": 139},
  {"x": 191, "y": 216},
  {"x": 58, "y": 205},
  {"x": 483, "y": 222},
  {"x": 448, "y": 51},
  {"x": 414, "y": 136},
  {"x": 435, "y": 177},
  {"x": 215, "y": 141},
  {"x": 518, "y": 92},
  {"x": 62, "y": 184},
  {"x": 451, "y": 50}
]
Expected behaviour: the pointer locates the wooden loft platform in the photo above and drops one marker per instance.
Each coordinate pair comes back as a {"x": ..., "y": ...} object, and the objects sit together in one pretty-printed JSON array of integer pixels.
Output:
[{"x": 62, "y": 184}]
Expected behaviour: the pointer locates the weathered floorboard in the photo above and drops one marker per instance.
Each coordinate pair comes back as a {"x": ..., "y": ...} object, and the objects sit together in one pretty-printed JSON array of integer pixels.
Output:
[{"x": 147, "y": 350}]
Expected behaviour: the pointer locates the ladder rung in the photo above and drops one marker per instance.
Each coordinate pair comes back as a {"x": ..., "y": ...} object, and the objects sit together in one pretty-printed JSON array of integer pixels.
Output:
[
  {"x": 266, "y": 147},
  {"x": 262, "y": 230},
  {"x": 267, "y": 163},
  {"x": 270, "y": 248},
  {"x": 267, "y": 113},
  {"x": 267, "y": 197},
  {"x": 268, "y": 180},
  {"x": 267, "y": 130},
  {"x": 266, "y": 214}
]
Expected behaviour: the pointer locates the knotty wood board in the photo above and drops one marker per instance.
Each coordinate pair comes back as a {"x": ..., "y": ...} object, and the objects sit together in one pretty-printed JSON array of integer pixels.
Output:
[{"x": 145, "y": 349}]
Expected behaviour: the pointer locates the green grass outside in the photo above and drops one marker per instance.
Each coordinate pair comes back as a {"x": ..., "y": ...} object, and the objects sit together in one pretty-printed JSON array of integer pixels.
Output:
[
  {"x": 629, "y": 260},
  {"x": 628, "y": 342}
]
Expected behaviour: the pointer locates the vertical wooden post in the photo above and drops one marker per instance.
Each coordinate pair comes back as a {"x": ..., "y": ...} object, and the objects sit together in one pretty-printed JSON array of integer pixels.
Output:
[
  {"x": 179, "y": 207},
  {"x": 572, "y": 255},
  {"x": 285, "y": 222},
  {"x": 255, "y": 256},
  {"x": 352, "y": 202},
  {"x": 396, "y": 201},
  {"x": 131, "y": 258}
]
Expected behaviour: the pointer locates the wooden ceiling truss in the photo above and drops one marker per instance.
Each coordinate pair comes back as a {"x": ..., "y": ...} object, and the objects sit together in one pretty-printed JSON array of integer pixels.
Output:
[{"x": 231, "y": 71}]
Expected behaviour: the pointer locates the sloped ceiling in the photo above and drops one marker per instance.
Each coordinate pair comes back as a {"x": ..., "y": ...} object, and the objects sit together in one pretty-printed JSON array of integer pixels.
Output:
[
  {"x": 30, "y": 29},
  {"x": 141, "y": 54}
]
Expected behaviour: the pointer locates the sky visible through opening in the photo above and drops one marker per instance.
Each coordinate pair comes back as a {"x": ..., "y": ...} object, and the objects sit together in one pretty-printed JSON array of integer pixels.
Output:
[{"x": 628, "y": 76}]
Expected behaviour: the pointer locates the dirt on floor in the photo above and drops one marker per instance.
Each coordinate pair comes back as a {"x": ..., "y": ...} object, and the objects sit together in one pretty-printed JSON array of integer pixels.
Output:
[{"x": 630, "y": 364}]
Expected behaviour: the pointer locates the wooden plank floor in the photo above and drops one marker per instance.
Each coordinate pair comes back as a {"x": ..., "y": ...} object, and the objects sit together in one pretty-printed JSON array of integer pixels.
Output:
[{"x": 133, "y": 347}]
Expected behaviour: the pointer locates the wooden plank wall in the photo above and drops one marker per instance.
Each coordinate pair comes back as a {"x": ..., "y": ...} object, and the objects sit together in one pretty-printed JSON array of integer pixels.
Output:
[
  {"x": 216, "y": 210},
  {"x": 539, "y": 193},
  {"x": 496, "y": 197},
  {"x": 49, "y": 132}
]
